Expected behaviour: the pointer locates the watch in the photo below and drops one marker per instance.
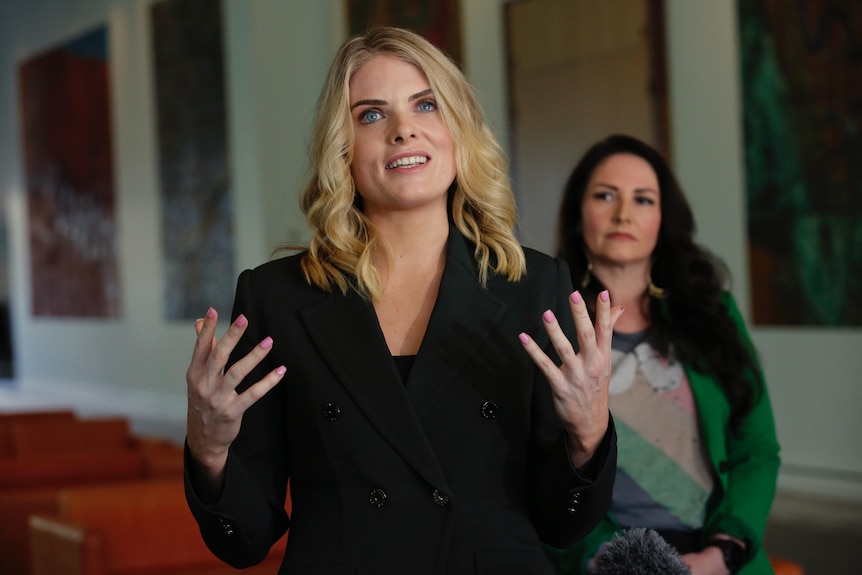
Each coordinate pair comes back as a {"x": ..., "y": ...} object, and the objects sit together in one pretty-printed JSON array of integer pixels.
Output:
[{"x": 732, "y": 552}]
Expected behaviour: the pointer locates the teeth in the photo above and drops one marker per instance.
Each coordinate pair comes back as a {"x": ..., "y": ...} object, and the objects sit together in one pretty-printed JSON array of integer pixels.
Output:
[{"x": 407, "y": 162}]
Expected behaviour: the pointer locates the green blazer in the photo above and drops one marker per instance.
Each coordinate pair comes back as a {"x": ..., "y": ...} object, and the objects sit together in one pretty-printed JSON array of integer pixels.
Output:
[{"x": 745, "y": 466}]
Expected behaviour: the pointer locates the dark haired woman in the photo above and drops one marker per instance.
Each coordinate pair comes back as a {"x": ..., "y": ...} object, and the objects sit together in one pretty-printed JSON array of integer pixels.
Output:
[{"x": 698, "y": 455}]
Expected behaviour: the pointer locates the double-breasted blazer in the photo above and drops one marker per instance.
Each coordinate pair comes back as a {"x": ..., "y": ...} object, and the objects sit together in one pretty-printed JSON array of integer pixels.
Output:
[{"x": 462, "y": 469}]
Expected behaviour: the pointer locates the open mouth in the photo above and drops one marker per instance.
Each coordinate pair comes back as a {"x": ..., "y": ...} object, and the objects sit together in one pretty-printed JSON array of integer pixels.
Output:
[{"x": 408, "y": 162}]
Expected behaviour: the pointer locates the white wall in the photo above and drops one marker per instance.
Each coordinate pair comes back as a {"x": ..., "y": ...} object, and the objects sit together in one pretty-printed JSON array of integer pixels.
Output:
[{"x": 278, "y": 53}]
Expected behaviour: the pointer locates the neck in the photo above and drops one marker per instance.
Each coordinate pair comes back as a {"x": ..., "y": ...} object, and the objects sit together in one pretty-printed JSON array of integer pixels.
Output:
[{"x": 408, "y": 243}]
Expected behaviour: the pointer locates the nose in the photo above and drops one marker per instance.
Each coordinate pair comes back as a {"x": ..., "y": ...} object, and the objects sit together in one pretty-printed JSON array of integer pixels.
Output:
[
  {"x": 622, "y": 212},
  {"x": 402, "y": 129}
]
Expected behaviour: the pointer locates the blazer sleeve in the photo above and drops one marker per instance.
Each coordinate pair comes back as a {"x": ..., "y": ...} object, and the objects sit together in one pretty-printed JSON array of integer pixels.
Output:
[
  {"x": 752, "y": 461},
  {"x": 567, "y": 503},
  {"x": 249, "y": 516}
]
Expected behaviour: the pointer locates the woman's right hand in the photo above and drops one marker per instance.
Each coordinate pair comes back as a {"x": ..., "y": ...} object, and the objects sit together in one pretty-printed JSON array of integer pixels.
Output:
[{"x": 215, "y": 409}]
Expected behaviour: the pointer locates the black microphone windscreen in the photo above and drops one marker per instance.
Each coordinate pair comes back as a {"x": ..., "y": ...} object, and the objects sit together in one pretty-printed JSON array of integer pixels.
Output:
[{"x": 638, "y": 551}]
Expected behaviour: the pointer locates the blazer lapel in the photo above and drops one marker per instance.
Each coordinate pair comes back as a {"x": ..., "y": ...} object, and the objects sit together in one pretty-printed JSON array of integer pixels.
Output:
[
  {"x": 346, "y": 331},
  {"x": 460, "y": 323}
]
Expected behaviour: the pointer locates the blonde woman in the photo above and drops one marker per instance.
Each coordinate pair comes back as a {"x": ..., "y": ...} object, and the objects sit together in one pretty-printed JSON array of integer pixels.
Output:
[{"x": 410, "y": 373}]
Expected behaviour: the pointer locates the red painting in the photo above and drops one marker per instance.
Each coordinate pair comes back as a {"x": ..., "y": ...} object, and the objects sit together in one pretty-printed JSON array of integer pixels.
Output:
[
  {"x": 68, "y": 170},
  {"x": 437, "y": 20}
]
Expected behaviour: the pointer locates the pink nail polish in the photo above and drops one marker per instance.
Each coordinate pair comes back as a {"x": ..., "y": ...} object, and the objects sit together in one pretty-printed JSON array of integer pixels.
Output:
[
  {"x": 576, "y": 297},
  {"x": 525, "y": 339},
  {"x": 548, "y": 316},
  {"x": 280, "y": 370},
  {"x": 210, "y": 312},
  {"x": 266, "y": 343},
  {"x": 605, "y": 295},
  {"x": 241, "y": 321}
]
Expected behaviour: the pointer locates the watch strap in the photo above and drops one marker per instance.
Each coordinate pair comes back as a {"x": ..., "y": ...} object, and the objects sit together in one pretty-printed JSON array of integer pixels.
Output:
[{"x": 732, "y": 552}]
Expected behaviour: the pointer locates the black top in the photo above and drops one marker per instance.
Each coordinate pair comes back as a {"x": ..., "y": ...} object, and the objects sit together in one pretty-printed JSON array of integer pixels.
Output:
[{"x": 403, "y": 363}]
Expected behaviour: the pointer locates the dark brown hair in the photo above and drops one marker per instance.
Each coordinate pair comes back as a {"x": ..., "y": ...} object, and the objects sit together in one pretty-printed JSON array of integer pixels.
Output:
[{"x": 693, "y": 315}]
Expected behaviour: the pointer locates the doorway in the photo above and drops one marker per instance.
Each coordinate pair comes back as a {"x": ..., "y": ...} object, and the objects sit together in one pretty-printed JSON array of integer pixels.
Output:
[{"x": 579, "y": 70}]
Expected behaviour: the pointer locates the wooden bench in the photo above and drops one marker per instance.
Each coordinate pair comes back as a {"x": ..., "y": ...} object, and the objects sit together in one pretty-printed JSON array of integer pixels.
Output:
[
  {"x": 8, "y": 419},
  {"x": 75, "y": 436},
  {"x": 133, "y": 528},
  {"x": 30, "y": 485},
  {"x": 46, "y": 454}
]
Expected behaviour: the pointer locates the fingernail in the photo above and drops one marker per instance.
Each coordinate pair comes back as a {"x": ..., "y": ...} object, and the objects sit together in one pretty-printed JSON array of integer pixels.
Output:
[
  {"x": 210, "y": 312},
  {"x": 280, "y": 370},
  {"x": 241, "y": 321},
  {"x": 525, "y": 339},
  {"x": 576, "y": 297},
  {"x": 605, "y": 296},
  {"x": 266, "y": 343},
  {"x": 548, "y": 316}
]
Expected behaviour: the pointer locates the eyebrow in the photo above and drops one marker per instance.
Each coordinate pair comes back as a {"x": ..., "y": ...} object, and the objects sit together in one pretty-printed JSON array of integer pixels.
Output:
[
  {"x": 415, "y": 96},
  {"x": 616, "y": 188}
]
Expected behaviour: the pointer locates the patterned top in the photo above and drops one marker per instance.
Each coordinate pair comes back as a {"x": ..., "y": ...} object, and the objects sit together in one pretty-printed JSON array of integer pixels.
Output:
[{"x": 663, "y": 477}]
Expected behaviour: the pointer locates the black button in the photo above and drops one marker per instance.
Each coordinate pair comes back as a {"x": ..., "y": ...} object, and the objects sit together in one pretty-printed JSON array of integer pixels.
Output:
[
  {"x": 377, "y": 498},
  {"x": 226, "y": 526},
  {"x": 440, "y": 498},
  {"x": 574, "y": 498},
  {"x": 489, "y": 410},
  {"x": 331, "y": 411}
]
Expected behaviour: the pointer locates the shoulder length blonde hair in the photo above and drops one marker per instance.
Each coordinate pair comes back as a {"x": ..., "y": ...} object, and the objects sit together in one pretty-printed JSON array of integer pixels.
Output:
[{"x": 482, "y": 203}]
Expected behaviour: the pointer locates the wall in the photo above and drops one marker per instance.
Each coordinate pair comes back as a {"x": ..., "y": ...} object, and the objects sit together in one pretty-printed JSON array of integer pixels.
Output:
[{"x": 277, "y": 55}]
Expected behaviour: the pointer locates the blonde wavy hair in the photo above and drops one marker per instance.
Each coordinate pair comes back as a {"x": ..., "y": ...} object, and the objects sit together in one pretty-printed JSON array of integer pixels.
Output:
[{"x": 483, "y": 206}]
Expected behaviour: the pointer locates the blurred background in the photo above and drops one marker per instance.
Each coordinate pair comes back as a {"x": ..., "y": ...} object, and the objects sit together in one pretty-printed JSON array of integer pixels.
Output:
[{"x": 152, "y": 149}]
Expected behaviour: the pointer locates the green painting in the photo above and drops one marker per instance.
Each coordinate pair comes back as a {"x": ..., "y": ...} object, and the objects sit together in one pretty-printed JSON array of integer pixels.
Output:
[{"x": 801, "y": 68}]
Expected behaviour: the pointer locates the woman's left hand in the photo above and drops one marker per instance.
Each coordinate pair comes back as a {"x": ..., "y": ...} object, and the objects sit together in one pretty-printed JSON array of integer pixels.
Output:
[
  {"x": 710, "y": 561},
  {"x": 580, "y": 383}
]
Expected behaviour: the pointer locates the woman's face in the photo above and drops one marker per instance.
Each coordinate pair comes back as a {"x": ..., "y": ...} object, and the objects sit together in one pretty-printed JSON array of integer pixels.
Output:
[
  {"x": 403, "y": 155},
  {"x": 621, "y": 211}
]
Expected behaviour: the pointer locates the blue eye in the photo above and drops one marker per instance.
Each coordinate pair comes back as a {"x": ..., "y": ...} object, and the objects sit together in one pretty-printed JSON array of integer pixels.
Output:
[
  {"x": 427, "y": 106},
  {"x": 370, "y": 116}
]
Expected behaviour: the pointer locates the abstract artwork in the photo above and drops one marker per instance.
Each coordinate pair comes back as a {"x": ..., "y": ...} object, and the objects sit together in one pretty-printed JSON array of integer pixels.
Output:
[
  {"x": 68, "y": 169},
  {"x": 194, "y": 171},
  {"x": 437, "y": 20},
  {"x": 801, "y": 68}
]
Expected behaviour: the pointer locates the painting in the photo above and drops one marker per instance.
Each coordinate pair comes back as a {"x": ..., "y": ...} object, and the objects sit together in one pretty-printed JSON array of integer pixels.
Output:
[
  {"x": 194, "y": 168},
  {"x": 65, "y": 108},
  {"x": 801, "y": 66},
  {"x": 437, "y": 20}
]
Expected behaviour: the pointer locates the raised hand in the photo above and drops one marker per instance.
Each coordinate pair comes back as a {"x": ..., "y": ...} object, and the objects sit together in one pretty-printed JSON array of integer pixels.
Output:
[
  {"x": 580, "y": 383},
  {"x": 215, "y": 409}
]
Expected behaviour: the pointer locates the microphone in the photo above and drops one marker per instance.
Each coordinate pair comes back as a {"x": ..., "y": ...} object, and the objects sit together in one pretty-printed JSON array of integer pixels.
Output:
[{"x": 637, "y": 551}]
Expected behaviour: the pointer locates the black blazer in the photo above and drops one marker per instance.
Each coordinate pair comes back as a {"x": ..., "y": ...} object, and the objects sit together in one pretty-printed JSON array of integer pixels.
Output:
[{"x": 462, "y": 470}]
